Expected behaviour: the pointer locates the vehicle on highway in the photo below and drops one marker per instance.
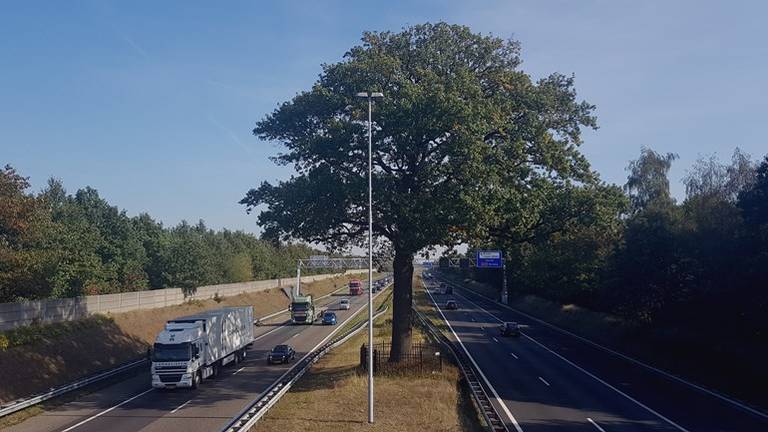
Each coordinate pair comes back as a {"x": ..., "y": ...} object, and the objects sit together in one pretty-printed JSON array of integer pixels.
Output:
[
  {"x": 344, "y": 304},
  {"x": 448, "y": 290},
  {"x": 509, "y": 329},
  {"x": 329, "y": 318},
  {"x": 355, "y": 287},
  {"x": 302, "y": 310},
  {"x": 281, "y": 354},
  {"x": 451, "y": 304},
  {"x": 192, "y": 348}
]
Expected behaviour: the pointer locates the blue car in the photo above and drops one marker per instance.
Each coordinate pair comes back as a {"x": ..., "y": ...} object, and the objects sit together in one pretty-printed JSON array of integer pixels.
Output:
[{"x": 329, "y": 318}]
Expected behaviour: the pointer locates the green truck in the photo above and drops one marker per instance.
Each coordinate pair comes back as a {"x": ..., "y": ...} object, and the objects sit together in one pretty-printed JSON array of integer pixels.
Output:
[{"x": 302, "y": 310}]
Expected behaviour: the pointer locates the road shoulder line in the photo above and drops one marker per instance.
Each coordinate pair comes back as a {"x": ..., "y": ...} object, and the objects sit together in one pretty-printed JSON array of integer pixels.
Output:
[{"x": 668, "y": 375}]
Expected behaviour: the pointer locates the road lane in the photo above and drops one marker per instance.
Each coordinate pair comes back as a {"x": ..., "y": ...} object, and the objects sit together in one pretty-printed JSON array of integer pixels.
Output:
[
  {"x": 205, "y": 409},
  {"x": 683, "y": 405},
  {"x": 536, "y": 406}
]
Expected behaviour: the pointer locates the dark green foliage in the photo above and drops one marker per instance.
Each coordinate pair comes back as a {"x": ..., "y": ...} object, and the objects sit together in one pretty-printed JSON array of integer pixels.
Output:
[
  {"x": 683, "y": 270},
  {"x": 58, "y": 245},
  {"x": 461, "y": 138}
]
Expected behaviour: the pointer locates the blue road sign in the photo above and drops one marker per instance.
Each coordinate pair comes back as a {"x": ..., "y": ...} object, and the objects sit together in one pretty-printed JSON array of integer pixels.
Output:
[
  {"x": 427, "y": 264},
  {"x": 489, "y": 259}
]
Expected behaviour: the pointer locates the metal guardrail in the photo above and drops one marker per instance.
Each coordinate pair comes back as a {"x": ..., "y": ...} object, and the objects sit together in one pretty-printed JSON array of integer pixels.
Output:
[
  {"x": 482, "y": 401},
  {"x": 19, "y": 405},
  {"x": 259, "y": 407}
]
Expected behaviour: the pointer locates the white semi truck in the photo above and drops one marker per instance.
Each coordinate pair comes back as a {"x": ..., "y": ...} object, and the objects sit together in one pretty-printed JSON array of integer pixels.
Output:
[{"x": 192, "y": 348}]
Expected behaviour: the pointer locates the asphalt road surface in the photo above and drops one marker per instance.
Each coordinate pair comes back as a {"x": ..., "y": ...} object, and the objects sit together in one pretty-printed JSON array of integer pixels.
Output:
[
  {"x": 132, "y": 405},
  {"x": 549, "y": 380}
]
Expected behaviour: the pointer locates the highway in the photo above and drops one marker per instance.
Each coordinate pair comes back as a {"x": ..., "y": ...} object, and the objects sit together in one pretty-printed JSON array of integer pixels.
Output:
[
  {"x": 549, "y": 380},
  {"x": 132, "y": 405}
]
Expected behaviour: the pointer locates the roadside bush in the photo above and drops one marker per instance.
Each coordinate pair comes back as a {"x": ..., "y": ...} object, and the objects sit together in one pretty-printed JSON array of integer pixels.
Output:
[{"x": 37, "y": 332}]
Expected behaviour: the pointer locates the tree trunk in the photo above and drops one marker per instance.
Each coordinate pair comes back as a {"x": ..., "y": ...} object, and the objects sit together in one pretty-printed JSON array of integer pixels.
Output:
[{"x": 402, "y": 301}]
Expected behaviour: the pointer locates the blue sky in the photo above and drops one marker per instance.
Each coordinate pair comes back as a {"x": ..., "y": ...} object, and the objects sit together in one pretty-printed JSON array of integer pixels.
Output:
[{"x": 152, "y": 103}]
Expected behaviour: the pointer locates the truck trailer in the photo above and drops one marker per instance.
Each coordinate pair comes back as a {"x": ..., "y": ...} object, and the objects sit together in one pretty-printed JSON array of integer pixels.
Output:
[{"x": 193, "y": 348}]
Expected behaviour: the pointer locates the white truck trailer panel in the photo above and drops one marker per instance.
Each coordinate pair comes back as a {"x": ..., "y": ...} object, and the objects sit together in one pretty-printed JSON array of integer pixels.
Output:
[{"x": 226, "y": 330}]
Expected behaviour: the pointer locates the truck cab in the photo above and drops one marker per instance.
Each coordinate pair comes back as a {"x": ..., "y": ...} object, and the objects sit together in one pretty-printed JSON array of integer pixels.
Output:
[
  {"x": 302, "y": 310},
  {"x": 355, "y": 287},
  {"x": 176, "y": 356}
]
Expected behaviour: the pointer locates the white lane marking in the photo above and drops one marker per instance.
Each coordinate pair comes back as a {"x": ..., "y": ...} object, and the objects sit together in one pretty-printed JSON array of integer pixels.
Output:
[
  {"x": 281, "y": 377},
  {"x": 595, "y": 425},
  {"x": 238, "y": 371},
  {"x": 647, "y": 408},
  {"x": 181, "y": 406},
  {"x": 513, "y": 355},
  {"x": 495, "y": 340},
  {"x": 319, "y": 344},
  {"x": 295, "y": 335},
  {"x": 480, "y": 371},
  {"x": 544, "y": 381},
  {"x": 107, "y": 410},
  {"x": 273, "y": 330},
  {"x": 632, "y": 360}
]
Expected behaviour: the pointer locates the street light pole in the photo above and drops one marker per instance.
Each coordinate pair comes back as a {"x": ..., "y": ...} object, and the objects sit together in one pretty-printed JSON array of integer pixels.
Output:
[{"x": 370, "y": 96}]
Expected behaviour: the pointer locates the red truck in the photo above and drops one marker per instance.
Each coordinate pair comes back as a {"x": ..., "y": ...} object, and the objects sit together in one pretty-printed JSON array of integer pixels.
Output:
[{"x": 355, "y": 287}]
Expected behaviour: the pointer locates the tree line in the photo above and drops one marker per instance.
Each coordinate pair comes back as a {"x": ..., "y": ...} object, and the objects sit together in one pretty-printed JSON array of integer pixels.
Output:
[
  {"x": 55, "y": 244},
  {"x": 697, "y": 268}
]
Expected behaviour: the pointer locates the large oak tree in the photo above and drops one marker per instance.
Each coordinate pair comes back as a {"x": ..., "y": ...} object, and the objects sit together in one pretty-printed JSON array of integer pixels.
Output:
[{"x": 460, "y": 138}]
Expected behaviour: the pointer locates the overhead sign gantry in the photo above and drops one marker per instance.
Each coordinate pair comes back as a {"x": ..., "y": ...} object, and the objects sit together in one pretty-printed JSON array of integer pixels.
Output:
[
  {"x": 326, "y": 262},
  {"x": 490, "y": 259}
]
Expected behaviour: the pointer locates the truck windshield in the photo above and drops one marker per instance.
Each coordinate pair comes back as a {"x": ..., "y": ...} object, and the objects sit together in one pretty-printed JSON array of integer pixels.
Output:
[
  {"x": 299, "y": 306},
  {"x": 171, "y": 352}
]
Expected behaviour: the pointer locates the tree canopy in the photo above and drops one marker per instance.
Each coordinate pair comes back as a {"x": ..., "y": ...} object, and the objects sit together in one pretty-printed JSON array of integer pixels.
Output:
[
  {"x": 55, "y": 244},
  {"x": 461, "y": 138}
]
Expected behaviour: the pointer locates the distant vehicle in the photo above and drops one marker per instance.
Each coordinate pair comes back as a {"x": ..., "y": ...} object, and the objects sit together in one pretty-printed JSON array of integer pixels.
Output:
[
  {"x": 355, "y": 287},
  {"x": 451, "y": 304},
  {"x": 329, "y": 318},
  {"x": 192, "y": 348},
  {"x": 302, "y": 310},
  {"x": 281, "y": 354},
  {"x": 443, "y": 285},
  {"x": 344, "y": 304},
  {"x": 448, "y": 290},
  {"x": 509, "y": 329}
]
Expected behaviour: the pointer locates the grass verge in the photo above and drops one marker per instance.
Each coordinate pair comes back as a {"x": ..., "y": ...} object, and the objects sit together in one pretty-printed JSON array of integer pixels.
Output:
[{"x": 332, "y": 396}]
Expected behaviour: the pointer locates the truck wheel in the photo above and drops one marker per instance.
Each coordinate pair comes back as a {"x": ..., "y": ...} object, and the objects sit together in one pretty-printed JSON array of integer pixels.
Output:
[{"x": 196, "y": 381}]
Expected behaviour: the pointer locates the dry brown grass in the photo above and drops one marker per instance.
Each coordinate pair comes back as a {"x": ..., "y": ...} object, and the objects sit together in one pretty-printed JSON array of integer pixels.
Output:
[
  {"x": 121, "y": 337},
  {"x": 332, "y": 396},
  {"x": 146, "y": 324}
]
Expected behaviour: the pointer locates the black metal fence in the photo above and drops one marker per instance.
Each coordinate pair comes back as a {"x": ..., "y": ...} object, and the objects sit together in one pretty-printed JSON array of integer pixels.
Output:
[{"x": 421, "y": 358}]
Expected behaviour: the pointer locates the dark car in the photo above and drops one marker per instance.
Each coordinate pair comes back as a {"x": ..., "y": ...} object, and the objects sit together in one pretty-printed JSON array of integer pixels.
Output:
[
  {"x": 509, "y": 329},
  {"x": 451, "y": 304},
  {"x": 281, "y": 354},
  {"x": 329, "y": 318}
]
